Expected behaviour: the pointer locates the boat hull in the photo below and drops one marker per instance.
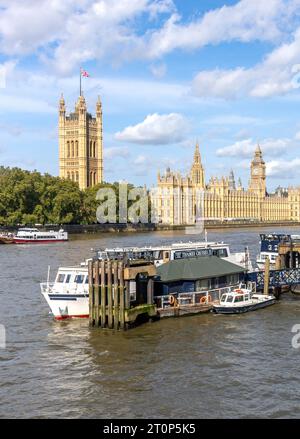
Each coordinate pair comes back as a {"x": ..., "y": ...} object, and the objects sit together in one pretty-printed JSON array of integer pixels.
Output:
[
  {"x": 37, "y": 241},
  {"x": 242, "y": 309},
  {"x": 66, "y": 306}
]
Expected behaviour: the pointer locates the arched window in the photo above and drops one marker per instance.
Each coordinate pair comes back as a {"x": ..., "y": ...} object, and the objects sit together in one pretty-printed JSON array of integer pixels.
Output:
[
  {"x": 72, "y": 148},
  {"x": 68, "y": 149},
  {"x": 94, "y": 149},
  {"x": 68, "y": 175},
  {"x": 76, "y": 148},
  {"x": 91, "y": 149},
  {"x": 77, "y": 176},
  {"x": 94, "y": 178}
]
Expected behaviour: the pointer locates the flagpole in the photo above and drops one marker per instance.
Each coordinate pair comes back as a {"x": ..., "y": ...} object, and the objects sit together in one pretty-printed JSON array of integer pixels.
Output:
[{"x": 80, "y": 82}]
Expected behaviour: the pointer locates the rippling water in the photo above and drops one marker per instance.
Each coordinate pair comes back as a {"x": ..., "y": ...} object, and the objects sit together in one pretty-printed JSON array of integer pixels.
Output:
[{"x": 203, "y": 366}]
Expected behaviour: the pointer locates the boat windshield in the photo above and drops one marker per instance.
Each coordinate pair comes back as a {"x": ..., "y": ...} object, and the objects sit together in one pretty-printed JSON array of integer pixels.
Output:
[
  {"x": 239, "y": 299},
  {"x": 229, "y": 298}
]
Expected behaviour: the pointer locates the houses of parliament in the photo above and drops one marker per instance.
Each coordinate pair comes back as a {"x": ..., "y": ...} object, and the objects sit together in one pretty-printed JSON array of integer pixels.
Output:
[
  {"x": 183, "y": 200},
  {"x": 176, "y": 199}
]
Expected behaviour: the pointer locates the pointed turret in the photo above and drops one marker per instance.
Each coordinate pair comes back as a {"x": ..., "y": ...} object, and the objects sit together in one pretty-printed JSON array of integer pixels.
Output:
[
  {"x": 231, "y": 181},
  {"x": 197, "y": 171}
]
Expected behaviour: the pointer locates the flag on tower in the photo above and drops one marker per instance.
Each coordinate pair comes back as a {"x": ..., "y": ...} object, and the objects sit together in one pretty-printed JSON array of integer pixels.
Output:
[{"x": 84, "y": 73}]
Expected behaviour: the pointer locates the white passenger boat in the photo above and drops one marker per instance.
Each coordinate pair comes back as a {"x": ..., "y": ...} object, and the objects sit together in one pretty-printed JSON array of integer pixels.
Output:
[
  {"x": 35, "y": 236},
  {"x": 68, "y": 295},
  {"x": 181, "y": 250},
  {"x": 241, "y": 300}
]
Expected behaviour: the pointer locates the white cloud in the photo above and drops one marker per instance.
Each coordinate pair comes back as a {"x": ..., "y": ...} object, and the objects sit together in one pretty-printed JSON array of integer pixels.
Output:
[
  {"x": 156, "y": 129},
  {"x": 247, "y": 20},
  {"x": 75, "y": 31},
  {"x": 277, "y": 74},
  {"x": 285, "y": 169},
  {"x": 246, "y": 148}
]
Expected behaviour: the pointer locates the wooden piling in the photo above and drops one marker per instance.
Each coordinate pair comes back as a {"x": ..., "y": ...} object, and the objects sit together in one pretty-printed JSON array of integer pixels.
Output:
[
  {"x": 150, "y": 287},
  {"x": 278, "y": 263},
  {"x": 103, "y": 295},
  {"x": 91, "y": 293},
  {"x": 116, "y": 296},
  {"x": 109, "y": 296},
  {"x": 96, "y": 294},
  {"x": 121, "y": 297},
  {"x": 267, "y": 276}
]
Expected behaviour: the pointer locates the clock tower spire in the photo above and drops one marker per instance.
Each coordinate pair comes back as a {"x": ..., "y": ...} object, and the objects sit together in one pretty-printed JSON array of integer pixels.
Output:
[{"x": 258, "y": 173}]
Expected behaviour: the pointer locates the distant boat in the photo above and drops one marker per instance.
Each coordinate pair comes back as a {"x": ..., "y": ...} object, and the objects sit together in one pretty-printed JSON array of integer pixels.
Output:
[
  {"x": 35, "y": 236},
  {"x": 6, "y": 239},
  {"x": 242, "y": 300}
]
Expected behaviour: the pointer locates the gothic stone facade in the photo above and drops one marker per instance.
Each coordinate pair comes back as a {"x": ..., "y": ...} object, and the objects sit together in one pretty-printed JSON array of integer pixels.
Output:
[
  {"x": 179, "y": 200},
  {"x": 80, "y": 144}
]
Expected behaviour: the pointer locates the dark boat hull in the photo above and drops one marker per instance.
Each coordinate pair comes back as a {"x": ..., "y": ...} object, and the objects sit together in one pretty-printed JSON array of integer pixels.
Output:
[{"x": 243, "y": 309}]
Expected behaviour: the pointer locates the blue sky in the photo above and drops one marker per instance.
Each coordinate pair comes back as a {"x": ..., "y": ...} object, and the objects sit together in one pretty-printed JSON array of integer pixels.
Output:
[{"x": 169, "y": 72}]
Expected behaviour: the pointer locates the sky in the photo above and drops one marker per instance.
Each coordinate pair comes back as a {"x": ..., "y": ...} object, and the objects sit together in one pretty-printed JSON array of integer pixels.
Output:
[{"x": 169, "y": 73}]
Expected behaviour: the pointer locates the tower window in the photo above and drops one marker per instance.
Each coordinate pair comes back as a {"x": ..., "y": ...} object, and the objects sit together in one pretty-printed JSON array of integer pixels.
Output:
[
  {"x": 68, "y": 149},
  {"x": 72, "y": 148},
  {"x": 76, "y": 148}
]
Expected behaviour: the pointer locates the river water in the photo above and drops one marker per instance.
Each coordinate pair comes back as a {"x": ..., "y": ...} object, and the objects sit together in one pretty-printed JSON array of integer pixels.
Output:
[{"x": 204, "y": 366}]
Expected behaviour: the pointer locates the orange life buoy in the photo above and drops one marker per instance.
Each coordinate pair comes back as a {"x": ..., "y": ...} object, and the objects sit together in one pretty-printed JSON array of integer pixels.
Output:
[
  {"x": 205, "y": 300},
  {"x": 172, "y": 299}
]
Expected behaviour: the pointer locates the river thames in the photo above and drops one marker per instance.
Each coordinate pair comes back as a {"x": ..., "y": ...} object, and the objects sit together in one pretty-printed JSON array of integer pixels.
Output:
[{"x": 204, "y": 366}]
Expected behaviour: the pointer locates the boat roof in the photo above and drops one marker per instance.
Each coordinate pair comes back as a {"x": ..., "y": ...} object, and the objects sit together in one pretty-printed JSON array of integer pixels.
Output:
[
  {"x": 198, "y": 268},
  {"x": 75, "y": 268},
  {"x": 177, "y": 245}
]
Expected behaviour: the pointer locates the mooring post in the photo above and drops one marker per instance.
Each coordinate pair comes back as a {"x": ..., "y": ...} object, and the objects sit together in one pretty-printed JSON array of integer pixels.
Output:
[
  {"x": 278, "y": 263},
  {"x": 127, "y": 294},
  {"x": 121, "y": 298},
  {"x": 109, "y": 296},
  {"x": 91, "y": 293},
  {"x": 103, "y": 296},
  {"x": 267, "y": 276},
  {"x": 96, "y": 293},
  {"x": 150, "y": 286},
  {"x": 116, "y": 296}
]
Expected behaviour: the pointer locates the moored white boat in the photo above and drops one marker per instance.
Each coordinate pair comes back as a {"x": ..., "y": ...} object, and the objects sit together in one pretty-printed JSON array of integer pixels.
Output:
[
  {"x": 68, "y": 295},
  {"x": 242, "y": 300},
  {"x": 35, "y": 236}
]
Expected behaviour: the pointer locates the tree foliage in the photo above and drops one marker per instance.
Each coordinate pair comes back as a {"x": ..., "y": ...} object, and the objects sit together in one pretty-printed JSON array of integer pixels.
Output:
[{"x": 34, "y": 198}]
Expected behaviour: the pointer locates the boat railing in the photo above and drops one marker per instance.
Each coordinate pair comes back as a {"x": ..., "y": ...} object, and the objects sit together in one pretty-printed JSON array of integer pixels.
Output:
[
  {"x": 193, "y": 298},
  {"x": 47, "y": 287}
]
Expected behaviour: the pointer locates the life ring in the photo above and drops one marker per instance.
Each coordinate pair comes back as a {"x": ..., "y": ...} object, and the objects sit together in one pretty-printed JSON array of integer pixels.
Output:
[
  {"x": 172, "y": 300},
  {"x": 203, "y": 299}
]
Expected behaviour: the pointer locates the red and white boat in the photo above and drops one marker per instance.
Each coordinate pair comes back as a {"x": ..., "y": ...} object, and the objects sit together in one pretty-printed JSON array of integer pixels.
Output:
[{"x": 35, "y": 236}]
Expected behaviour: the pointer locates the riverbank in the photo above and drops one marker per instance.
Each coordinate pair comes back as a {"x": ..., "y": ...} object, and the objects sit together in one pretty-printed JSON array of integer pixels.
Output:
[{"x": 150, "y": 227}]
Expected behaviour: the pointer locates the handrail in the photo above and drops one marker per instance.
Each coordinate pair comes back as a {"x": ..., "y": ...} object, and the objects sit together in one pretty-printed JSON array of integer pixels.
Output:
[{"x": 189, "y": 298}]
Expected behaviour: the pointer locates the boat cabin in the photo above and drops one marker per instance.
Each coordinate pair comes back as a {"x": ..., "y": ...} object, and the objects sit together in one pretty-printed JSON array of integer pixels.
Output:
[{"x": 196, "y": 275}]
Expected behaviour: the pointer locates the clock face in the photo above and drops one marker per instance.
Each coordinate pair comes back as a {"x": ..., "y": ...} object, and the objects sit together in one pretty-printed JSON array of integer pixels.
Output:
[{"x": 255, "y": 171}]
